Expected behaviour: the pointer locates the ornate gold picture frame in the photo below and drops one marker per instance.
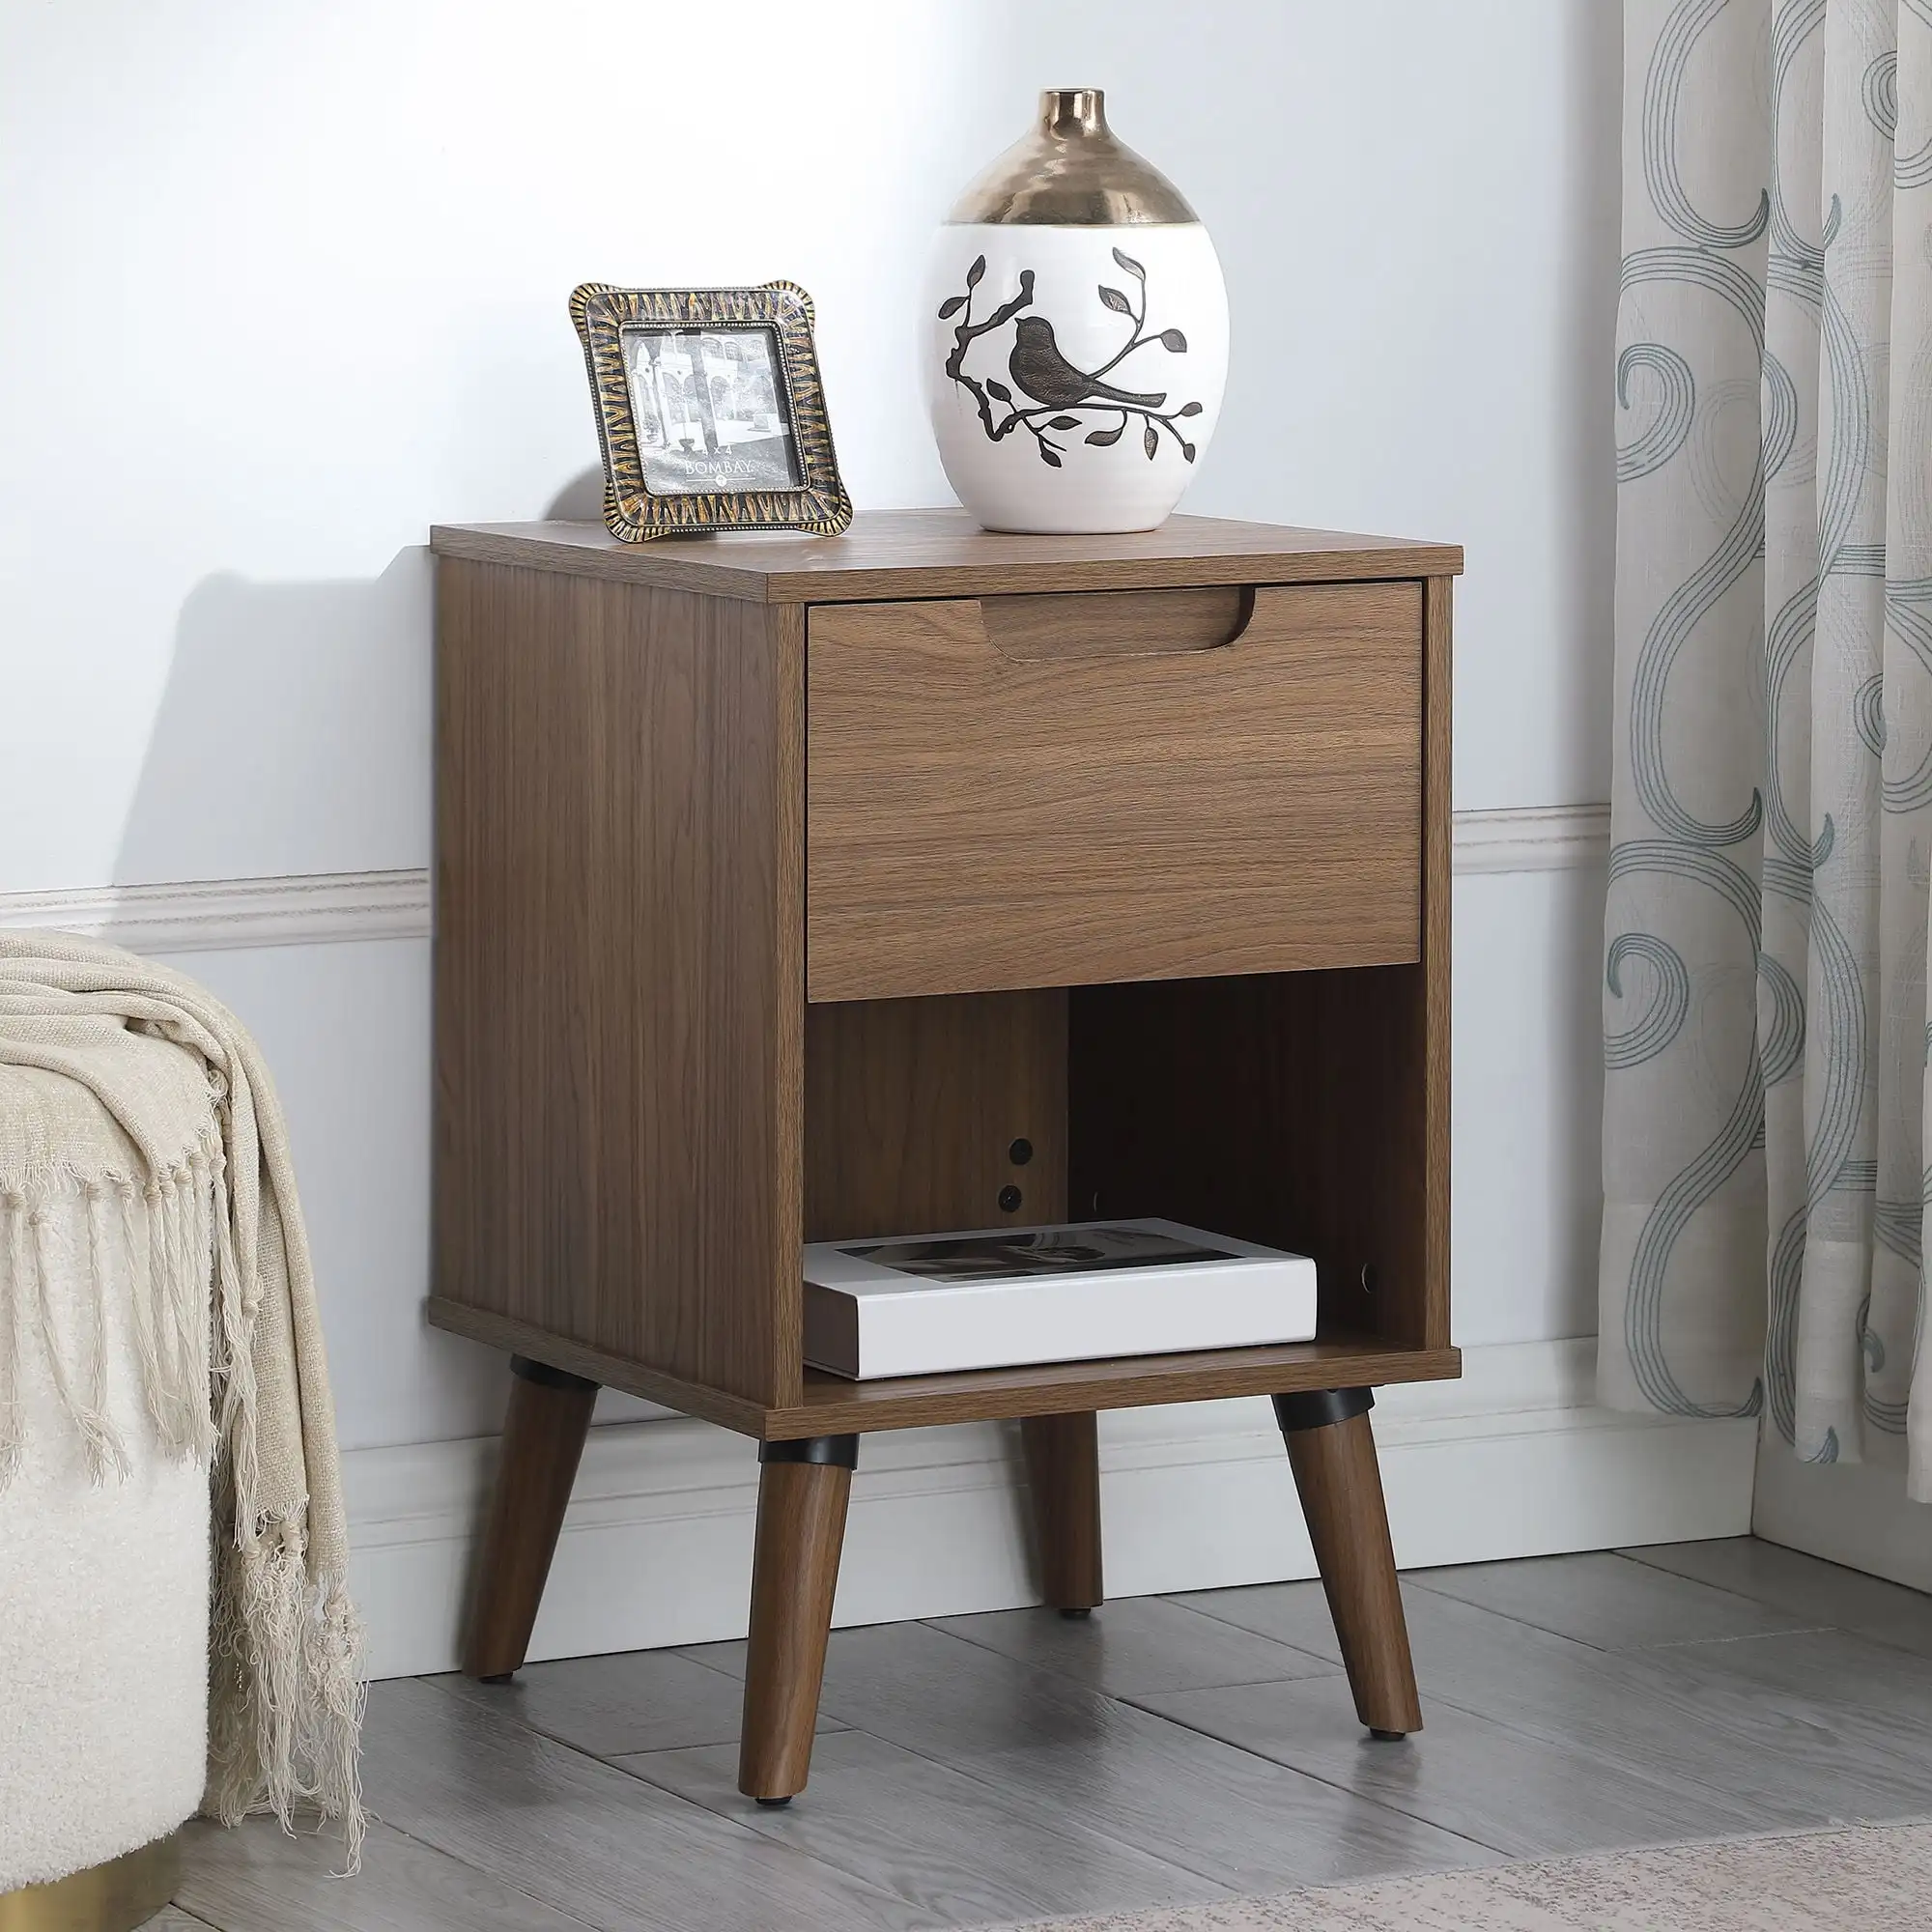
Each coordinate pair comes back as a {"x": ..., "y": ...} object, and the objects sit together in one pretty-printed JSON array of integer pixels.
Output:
[{"x": 710, "y": 411}]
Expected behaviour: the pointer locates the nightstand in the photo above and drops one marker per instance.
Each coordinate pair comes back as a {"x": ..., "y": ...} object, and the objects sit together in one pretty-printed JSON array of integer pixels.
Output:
[{"x": 799, "y": 889}]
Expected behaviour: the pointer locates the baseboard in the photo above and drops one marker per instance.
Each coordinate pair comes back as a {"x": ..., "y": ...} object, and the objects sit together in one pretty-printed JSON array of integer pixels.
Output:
[
  {"x": 1857, "y": 1514},
  {"x": 320, "y": 908},
  {"x": 1515, "y": 1459}
]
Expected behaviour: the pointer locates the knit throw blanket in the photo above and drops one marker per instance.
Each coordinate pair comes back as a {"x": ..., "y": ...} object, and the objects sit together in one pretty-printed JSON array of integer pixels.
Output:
[{"x": 143, "y": 1155}]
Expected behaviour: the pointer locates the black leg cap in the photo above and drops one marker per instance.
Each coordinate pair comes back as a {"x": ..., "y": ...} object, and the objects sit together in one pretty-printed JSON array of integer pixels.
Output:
[
  {"x": 501, "y": 1677},
  {"x": 772, "y": 1804},
  {"x": 1081, "y": 1614},
  {"x": 1387, "y": 1737}
]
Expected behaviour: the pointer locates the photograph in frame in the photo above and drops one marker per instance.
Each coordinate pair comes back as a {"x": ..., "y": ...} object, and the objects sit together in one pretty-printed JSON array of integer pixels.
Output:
[{"x": 710, "y": 410}]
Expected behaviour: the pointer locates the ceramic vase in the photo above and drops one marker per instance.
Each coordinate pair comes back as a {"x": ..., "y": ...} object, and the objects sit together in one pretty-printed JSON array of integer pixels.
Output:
[{"x": 1078, "y": 340}]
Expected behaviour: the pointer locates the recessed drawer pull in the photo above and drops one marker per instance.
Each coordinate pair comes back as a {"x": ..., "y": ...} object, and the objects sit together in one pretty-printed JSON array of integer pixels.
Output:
[{"x": 1115, "y": 623}]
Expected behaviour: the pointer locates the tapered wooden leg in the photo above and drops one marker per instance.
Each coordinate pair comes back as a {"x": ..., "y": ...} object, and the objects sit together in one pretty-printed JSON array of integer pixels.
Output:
[
  {"x": 1332, "y": 1451},
  {"x": 543, "y": 1439},
  {"x": 803, "y": 1491},
  {"x": 1063, "y": 1471}
]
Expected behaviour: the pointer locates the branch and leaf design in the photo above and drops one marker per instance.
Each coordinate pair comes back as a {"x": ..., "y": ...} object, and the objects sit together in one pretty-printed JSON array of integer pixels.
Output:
[{"x": 1055, "y": 396}]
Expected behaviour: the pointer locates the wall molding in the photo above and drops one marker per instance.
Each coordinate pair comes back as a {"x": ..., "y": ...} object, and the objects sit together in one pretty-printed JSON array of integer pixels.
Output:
[
  {"x": 209, "y": 915},
  {"x": 1533, "y": 839},
  {"x": 325, "y": 908},
  {"x": 1515, "y": 1459}
]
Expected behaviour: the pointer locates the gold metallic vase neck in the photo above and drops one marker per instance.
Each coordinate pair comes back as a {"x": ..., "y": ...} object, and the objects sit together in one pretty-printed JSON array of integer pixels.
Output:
[
  {"x": 1071, "y": 172},
  {"x": 1068, "y": 111}
]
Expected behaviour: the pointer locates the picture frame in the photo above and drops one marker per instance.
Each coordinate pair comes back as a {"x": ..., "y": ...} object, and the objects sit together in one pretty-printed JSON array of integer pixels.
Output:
[{"x": 710, "y": 411}]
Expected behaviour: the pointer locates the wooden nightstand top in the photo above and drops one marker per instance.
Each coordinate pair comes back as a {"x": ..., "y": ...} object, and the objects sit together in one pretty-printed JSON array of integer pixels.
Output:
[{"x": 944, "y": 554}]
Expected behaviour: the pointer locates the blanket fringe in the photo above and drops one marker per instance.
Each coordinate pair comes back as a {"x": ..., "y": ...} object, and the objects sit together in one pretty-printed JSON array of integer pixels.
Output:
[
  {"x": 59, "y": 1233},
  {"x": 69, "y": 1360},
  {"x": 13, "y": 1275},
  {"x": 286, "y": 1691}
]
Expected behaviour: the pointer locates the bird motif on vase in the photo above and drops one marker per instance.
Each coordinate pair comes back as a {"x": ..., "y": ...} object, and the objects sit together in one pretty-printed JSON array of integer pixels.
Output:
[
  {"x": 1055, "y": 394},
  {"x": 1045, "y": 374}
]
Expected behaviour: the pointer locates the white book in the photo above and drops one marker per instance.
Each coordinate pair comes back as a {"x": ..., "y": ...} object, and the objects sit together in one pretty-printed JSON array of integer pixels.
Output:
[{"x": 995, "y": 1298}]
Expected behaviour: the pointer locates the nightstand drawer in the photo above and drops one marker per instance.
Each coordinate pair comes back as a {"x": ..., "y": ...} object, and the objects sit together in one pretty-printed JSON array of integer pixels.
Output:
[{"x": 1074, "y": 788}]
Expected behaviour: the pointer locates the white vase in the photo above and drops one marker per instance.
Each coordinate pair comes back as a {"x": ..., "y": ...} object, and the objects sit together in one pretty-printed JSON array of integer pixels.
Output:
[{"x": 1079, "y": 333}]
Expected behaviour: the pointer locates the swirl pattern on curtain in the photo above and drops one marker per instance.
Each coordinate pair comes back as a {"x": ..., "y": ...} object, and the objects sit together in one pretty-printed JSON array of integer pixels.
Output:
[{"x": 1764, "y": 1021}]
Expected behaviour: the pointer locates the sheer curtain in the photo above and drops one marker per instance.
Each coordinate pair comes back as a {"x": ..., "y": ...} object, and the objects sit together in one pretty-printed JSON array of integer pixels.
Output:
[{"x": 1766, "y": 1027}]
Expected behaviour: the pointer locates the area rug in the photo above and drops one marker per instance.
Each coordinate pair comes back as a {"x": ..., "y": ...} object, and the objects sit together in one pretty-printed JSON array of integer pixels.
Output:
[{"x": 1867, "y": 1877}]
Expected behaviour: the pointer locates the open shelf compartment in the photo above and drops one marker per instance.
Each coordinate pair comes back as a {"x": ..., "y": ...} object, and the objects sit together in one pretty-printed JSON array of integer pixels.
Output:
[{"x": 1283, "y": 1108}]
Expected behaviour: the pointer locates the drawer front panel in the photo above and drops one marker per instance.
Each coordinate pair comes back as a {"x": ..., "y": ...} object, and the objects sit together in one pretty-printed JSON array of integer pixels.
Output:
[{"x": 985, "y": 811}]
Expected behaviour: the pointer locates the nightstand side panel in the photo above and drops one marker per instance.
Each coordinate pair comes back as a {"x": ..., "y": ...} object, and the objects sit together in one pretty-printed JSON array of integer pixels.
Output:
[{"x": 620, "y": 969}]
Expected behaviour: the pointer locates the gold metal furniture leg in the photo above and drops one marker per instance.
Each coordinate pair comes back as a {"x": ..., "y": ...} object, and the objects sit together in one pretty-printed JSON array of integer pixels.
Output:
[{"x": 112, "y": 1897}]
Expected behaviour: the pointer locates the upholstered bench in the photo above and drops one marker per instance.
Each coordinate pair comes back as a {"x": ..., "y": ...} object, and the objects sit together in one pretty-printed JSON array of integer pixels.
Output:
[{"x": 103, "y": 1605}]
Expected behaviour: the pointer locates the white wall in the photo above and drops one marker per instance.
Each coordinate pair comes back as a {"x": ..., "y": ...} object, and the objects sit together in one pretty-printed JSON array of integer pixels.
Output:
[
  {"x": 280, "y": 286},
  {"x": 1857, "y": 1514}
]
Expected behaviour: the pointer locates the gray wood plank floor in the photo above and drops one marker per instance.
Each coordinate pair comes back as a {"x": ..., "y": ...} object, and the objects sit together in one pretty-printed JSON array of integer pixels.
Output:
[{"x": 996, "y": 1769}]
